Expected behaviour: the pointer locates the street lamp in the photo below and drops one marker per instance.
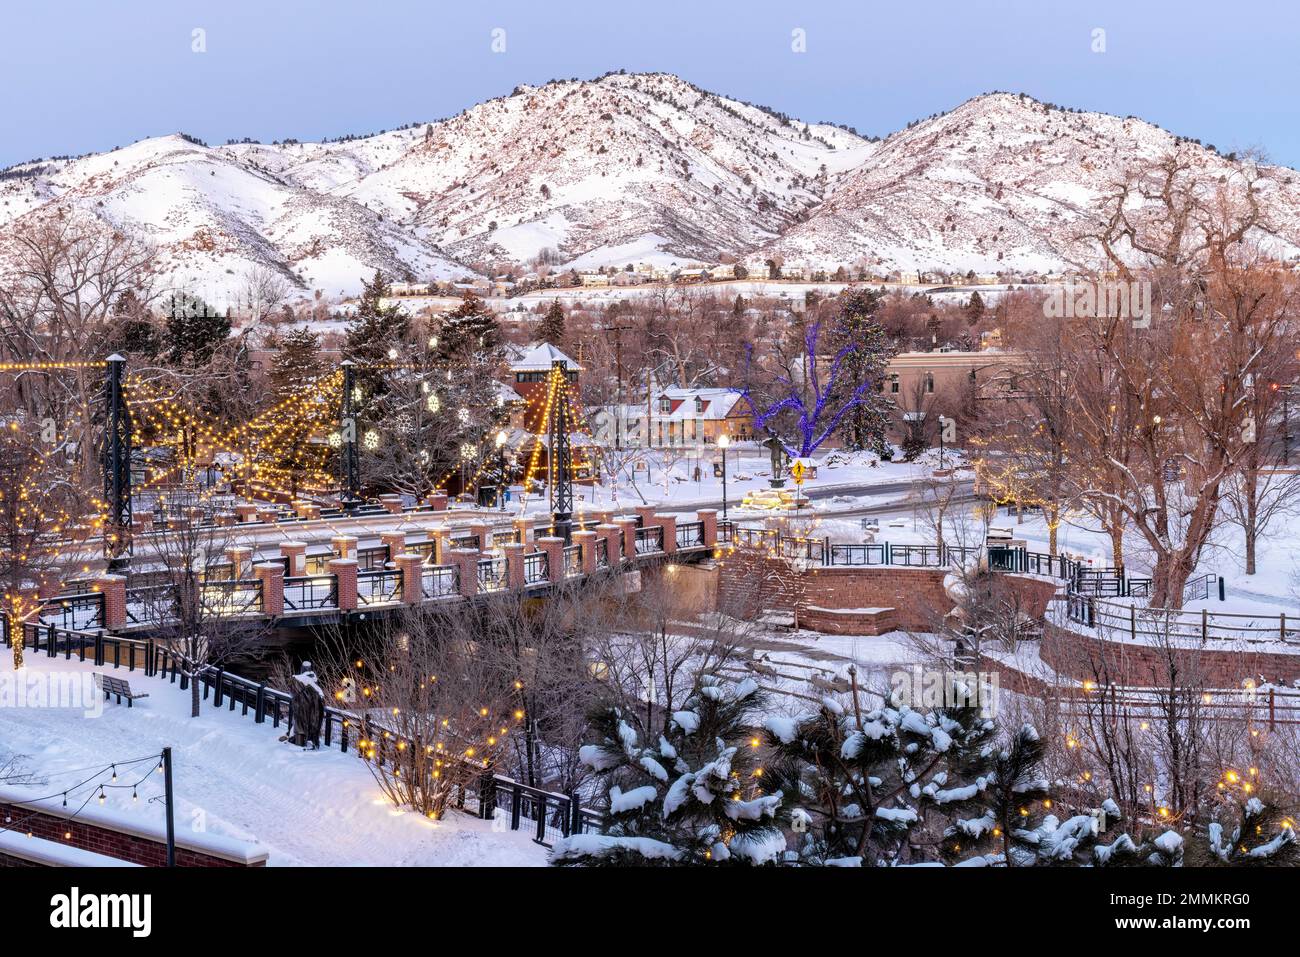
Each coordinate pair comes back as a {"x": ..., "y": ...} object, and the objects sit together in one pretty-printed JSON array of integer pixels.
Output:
[
  {"x": 724, "y": 440},
  {"x": 467, "y": 453},
  {"x": 501, "y": 464}
]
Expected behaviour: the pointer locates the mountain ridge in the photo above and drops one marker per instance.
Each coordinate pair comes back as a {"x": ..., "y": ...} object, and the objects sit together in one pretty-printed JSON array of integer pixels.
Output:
[{"x": 629, "y": 167}]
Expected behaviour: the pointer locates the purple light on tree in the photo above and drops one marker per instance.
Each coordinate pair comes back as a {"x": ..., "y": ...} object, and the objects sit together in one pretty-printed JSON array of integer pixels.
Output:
[{"x": 820, "y": 413}]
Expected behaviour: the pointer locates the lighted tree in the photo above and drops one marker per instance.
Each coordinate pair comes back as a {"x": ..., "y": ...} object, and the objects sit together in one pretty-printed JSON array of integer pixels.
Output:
[
  {"x": 41, "y": 517},
  {"x": 816, "y": 403}
]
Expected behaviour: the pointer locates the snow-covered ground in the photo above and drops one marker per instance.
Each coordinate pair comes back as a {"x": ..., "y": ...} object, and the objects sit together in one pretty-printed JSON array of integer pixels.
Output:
[
  {"x": 682, "y": 479},
  {"x": 236, "y": 779}
]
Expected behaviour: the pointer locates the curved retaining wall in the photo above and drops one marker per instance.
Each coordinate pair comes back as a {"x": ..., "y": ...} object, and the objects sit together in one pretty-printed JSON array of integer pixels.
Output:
[
  {"x": 851, "y": 600},
  {"x": 1085, "y": 657},
  {"x": 873, "y": 600}
]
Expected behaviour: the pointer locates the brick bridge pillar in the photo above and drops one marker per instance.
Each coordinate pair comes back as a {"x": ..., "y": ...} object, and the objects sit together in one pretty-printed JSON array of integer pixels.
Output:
[
  {"x": 344, "y": 571},
  {"x": 271, "y": 575}
]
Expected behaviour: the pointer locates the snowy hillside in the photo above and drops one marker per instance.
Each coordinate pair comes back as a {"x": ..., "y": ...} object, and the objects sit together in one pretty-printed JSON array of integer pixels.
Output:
[
  {"x": 622, "y": 169},
  {"x": 1001, "y": 182}
]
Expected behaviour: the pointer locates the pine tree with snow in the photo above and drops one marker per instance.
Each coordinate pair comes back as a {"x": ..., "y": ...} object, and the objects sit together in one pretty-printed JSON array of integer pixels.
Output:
[
  {"x": 1013, "y": 819},
  {"x": 471, "y": 329},
  {"x": 551, "y": 328},
  {"x": 695, "y": 795},
  {"x": 866, "y": 352},
  {"x": 296, "y": 364},
  {"x": 1249, "y": 830},
  {"x": 194, "y": 330},
  {"x": 375, "y": 333},
  {"x": 867, "y": 779}
]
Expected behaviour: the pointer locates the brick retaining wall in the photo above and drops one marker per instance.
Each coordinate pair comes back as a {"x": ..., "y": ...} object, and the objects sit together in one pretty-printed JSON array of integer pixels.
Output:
[{"x": 98, "y": 837}]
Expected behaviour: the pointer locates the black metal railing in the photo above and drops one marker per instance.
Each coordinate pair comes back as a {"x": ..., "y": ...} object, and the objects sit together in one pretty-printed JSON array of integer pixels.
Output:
[
  {"x": 151, "y": 604},
  {"x": 378, "y": 588},
  {"x": 230, "y": 598},
  {"x": 372, "y": 559},
  {"x": 311, "y": 592},
  {"x": 536, "y": 568},
  {"x": 602, "y": 552},
  {"x": 649, "y": 540},
  {"x": 857, "y": 555},
  {"x": 439, "y": 581},
  {"x": 492, "y": 574},
  {"x": 1198, "y": 589},
  {"x": 572, "y": 560},
  {"x": 690, "y": 535},
  {"x": 99, "y": 648},
  {"x": 83, "y": 612}
]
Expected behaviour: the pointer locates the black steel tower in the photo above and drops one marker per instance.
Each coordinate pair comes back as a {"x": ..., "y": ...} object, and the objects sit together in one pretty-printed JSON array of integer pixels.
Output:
[{"x": 117, "y": 466}]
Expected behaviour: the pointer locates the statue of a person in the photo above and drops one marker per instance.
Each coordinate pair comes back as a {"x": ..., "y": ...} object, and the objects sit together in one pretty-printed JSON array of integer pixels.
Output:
[{"x": 307, "y": 709}]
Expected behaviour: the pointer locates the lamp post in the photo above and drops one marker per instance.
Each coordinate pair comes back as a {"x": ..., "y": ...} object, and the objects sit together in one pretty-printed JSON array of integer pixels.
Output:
[
  {"x": 724, "y": 440},
  {"x": 501, "y": 464},
  {"x": 467, "y": 453}
]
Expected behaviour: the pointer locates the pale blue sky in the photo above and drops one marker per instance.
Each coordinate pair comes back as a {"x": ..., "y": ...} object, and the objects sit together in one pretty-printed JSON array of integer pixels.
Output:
[{"x": 82, "y": 75}]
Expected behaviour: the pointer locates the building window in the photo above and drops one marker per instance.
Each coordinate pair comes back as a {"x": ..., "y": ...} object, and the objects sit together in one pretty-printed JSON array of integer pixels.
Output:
[
  {"x": 929, "y": 383},
  {"x": 893, "y": 383}
]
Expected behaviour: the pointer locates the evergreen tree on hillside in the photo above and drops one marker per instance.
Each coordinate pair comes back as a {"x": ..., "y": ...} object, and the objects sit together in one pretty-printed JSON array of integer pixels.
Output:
[
  {"x": 134, "y": 331},
  {"x": 375, "y": 328},
  {"x": 694, "y": 796},
  {"x": 551, "y": 328},
  {"x": 375, "y": 333}
]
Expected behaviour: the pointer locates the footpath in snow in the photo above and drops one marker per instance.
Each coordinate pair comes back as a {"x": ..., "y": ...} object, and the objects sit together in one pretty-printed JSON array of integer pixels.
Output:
[{"x": 234, "y": 778}]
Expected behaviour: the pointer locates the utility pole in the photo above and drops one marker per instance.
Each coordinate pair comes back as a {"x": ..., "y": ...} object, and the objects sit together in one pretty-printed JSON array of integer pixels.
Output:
[
  {"x": 618, "y": 395},
  {"x": 170, "y": 793},
  {"x": 349, "y": 466},
  {"x": 117, "y": 466}
]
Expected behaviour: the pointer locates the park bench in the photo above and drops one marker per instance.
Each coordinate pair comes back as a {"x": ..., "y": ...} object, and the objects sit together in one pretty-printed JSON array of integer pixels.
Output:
[{"x": 117, "y": 687}]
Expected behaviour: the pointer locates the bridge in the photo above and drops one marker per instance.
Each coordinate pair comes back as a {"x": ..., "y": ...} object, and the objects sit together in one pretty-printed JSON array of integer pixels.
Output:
[{"x": 303, "y": 569}]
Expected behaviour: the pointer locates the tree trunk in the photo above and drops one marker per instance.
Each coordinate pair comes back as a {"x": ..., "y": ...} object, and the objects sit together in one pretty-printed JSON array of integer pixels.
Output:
[
  {"x": 1250, "y": 489},
  {"x": 1170, "y": 578},
  {"x": 1117, "y": 545}
]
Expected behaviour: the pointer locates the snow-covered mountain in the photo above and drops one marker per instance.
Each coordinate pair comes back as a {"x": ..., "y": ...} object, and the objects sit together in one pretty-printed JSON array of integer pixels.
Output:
[
  {"x": 1001, "y": 182},
  {"x": 625, "y": 168}
]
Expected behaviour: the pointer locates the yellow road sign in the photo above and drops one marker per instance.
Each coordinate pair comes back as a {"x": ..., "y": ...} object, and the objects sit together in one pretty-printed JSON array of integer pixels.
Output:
[{"x": 797, "y": 472}]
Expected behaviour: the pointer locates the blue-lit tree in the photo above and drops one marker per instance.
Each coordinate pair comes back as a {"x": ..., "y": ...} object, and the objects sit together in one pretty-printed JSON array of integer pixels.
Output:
[{"x": 819, "y": 397}]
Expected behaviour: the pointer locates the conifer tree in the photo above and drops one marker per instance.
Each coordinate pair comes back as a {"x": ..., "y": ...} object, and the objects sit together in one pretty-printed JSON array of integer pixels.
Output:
[
  {"x": 194, "y": 330},
  {"x": 869, "y": 777},
  {"x": 376, "y": 330},
  {"x": 696, "y": 795},
  {"x": 551, "y": 328}
]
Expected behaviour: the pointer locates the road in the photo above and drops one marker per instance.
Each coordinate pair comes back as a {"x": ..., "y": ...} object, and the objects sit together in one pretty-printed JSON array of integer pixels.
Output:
[{"x": 907, "y": 486}]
